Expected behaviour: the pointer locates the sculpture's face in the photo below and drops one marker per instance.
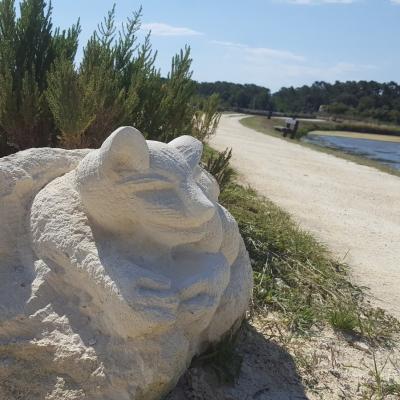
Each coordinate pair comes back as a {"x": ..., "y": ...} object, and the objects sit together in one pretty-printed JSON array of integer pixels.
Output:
[
  {"x": 158, "y": 204},
  {"x": 130, "y": 184}
]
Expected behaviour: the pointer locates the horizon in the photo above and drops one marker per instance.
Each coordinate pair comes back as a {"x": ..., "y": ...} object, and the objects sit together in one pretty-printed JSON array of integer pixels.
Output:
[{"x": 279, "y": 43}]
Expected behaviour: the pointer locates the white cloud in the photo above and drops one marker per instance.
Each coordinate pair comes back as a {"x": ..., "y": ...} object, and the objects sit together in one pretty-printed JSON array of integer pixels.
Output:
[
  {"x": 262, "y": 52},
  {"x": 161, "y": 29},
  {"x": 227, "y": 44},
  {"x": 395, "y": 1}
]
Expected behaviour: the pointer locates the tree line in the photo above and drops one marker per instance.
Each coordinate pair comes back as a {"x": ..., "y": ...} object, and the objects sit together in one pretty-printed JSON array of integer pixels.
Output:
[
  {"x": 235, "y": 95},
  {"x": 48, "y": 99},
  {"x": 364, "y": 100}
]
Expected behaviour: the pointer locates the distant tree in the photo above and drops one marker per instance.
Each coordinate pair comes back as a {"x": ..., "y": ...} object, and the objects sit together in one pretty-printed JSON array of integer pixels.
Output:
[
  {"x": 366, "y": 103},
  {"x": 357, "y": 99},
  {"x": 337, "y": 108},
  {"x": 233, "y": 95}
]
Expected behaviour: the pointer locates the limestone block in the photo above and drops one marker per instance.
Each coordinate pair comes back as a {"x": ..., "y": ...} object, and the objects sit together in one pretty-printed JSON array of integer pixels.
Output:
[{"x": 117, "y": 266}]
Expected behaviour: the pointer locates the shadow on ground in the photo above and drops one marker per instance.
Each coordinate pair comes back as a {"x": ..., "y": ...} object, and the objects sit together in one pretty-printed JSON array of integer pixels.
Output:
[{"x": 267, "y": 372}]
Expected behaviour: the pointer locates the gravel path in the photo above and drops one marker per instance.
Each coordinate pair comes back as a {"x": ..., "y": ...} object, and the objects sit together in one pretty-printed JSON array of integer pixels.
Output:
[{"x": 354, "y": 209}]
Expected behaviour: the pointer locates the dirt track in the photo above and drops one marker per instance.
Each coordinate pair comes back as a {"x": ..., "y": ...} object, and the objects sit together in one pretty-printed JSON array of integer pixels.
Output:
[{"x": 352, "y": 208}]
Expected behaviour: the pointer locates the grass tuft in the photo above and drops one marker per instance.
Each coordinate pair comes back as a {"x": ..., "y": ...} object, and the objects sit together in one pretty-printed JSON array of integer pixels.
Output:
[{"x": 344, "y": 319}]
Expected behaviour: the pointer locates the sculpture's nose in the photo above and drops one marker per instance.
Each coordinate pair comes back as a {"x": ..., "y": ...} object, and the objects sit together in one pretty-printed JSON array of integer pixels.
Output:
[{"x": 199, "y": 207}]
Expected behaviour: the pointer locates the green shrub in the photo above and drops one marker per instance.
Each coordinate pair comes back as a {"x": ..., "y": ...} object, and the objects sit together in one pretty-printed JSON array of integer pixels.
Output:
[
  {"x": 46, "y": 99},
  {"x": 206, "y": 118},
  {"x": 28, "y": 48},
  {"x": 217, "y": 164}
]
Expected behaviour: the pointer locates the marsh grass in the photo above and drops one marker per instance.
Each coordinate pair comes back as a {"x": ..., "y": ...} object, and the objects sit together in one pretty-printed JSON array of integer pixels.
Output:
[
  {"x": 351, "y": 126},
  {"x": 263, "y": 125}
]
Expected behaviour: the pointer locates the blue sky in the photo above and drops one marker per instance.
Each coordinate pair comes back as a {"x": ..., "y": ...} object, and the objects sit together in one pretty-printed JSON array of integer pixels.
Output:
[{"x": 272, "y": 43}]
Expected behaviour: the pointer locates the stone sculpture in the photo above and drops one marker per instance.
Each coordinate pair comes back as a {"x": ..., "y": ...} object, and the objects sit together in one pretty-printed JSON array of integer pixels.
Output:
[{"x": 117, "y": 266}]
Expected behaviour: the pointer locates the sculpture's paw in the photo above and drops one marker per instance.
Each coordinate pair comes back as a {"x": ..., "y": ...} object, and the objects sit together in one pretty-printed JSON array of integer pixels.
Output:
[
  {"x": 152, "y": 299},
  {"x": 201, "y": 288},
  {"x": 199, "y": 274}
]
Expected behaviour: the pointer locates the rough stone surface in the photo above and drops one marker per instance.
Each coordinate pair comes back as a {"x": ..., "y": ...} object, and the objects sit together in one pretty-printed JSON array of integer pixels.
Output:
[{"x": 117, "y": 266}]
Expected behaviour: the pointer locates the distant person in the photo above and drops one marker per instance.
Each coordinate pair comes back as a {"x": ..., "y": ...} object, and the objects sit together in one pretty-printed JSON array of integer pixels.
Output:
[{"x": 294, "y": 127}]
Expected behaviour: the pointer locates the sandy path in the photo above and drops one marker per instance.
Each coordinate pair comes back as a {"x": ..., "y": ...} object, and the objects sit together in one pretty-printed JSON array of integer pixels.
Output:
[{"x": 354, "y": 209}]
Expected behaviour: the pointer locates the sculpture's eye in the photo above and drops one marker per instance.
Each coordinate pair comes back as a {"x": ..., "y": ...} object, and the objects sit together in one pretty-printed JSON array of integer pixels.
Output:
[{"x": 152, "y": 182}]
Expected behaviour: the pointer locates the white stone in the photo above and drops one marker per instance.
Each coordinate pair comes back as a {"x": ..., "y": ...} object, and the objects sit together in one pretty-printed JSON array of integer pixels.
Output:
[{"x": 117, "y": 266}]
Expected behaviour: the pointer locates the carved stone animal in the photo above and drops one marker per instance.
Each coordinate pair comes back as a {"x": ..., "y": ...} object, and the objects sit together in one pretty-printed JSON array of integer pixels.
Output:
[{"x": 119, "y": 266}]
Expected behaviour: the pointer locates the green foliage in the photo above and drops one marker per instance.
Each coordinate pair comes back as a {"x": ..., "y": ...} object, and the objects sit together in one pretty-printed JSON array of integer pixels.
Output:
[
  {"x": 117, "y": 84},
  {"x": 343, "y": 318},
  {"x": 337, "y": 108},
  {"x": 178, "y": 90},
  {"x": 217, "y": 164},
  {"x": 91, "y": 101},
  {"x": 45, "y": 98},
  {"x": 71, "y": 111},
  {"x": 206, "y": 118},
  {"x": 27, "y": 50},
  {"x": 235, "y": 95},
  {"x": 360, "y": 100}
]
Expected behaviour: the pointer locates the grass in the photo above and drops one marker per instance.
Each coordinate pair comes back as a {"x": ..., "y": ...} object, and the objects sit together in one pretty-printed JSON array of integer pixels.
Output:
[
  {"x": 344, "y": 319},
  {"x": 350, "y": 126},
  {"x": 263, "y": 125},
  {"x": 379, "y": 388},
  {"x": 357, "y": 135},
  {"x": 295, "y": 275}
]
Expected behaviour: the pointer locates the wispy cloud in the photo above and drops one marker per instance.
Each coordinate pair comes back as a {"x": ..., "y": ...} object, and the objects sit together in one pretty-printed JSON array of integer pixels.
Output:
[
  {"x": 331, "y": 72},
  {"x": 162, "y": 29},
  {"x": 395, "y": 1},
  {"x": 274, "y": 68},
  {"x": 262, "y": 52},
  {"x": 313, "y": 2}
]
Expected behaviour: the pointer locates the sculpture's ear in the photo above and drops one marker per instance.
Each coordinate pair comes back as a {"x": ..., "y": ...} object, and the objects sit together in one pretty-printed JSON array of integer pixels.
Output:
[
  {"x": 190, "y": 148},
  {"x": 125, "y": 148}
]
